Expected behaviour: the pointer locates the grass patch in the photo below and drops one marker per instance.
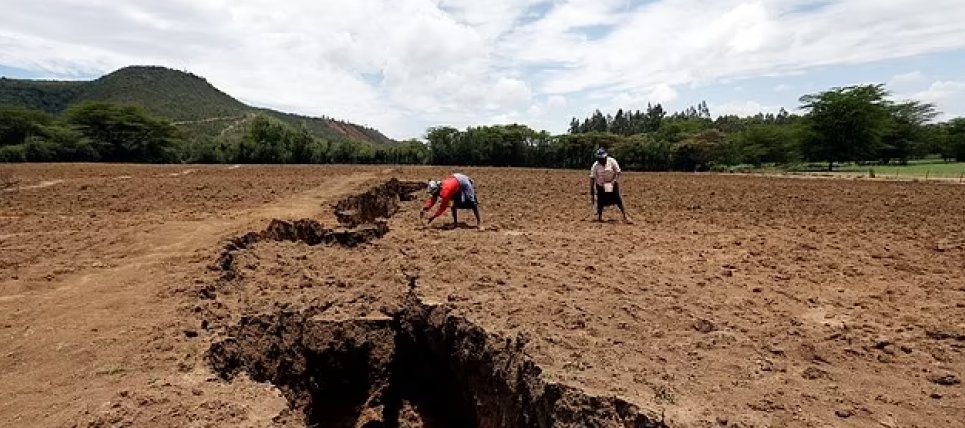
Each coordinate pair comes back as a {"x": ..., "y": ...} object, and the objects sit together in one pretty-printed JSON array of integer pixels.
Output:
[
  {"x": 932, "y": 169},
  {"x": 916, "y": 169}
]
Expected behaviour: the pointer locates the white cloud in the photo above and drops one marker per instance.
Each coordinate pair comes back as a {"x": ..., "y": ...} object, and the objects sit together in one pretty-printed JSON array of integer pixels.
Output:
[
  {"x": 556, "y": 102},
  {"x": 905, "y": 79},
  {"x": 456, "y": 61},
  {"x": 639, "y": 99},
  {"x": 940, "y": 91},
  {"x": 741, "y": 108},
  {"x": 947, "y": 95},
  {"x": 783, "y": 87}
]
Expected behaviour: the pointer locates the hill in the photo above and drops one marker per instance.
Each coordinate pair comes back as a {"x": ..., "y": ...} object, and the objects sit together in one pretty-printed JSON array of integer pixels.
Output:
[{"x": 186, "y": 99}]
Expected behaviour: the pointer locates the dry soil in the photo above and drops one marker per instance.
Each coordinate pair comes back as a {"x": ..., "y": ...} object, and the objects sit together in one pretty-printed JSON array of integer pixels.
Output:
[{"x": 734, "y": 301}]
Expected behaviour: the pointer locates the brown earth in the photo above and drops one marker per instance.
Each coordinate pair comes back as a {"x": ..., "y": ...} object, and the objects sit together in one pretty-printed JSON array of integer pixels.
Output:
[{"x": 130, "y": 295}]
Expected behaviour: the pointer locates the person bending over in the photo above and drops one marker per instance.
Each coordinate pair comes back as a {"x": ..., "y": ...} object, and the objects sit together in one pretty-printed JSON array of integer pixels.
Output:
[{"x": 457, "y": 190}]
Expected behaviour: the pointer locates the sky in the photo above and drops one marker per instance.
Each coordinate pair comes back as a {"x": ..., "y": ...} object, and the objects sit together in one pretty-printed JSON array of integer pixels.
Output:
[{"x": 402, "y": 66}]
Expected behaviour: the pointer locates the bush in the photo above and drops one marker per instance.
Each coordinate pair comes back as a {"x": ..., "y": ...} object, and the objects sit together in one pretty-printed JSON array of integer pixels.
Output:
[{"x": 17, "y": 153}]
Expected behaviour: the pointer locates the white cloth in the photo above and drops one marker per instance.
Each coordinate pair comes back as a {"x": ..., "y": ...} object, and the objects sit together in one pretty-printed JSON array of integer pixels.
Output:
[{"x": 466, "y": 185}]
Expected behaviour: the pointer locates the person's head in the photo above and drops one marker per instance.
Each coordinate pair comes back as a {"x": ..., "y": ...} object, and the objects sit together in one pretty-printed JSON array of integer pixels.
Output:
[
  {"x": 601, "y": 156},
  {"x": 434, "y": 187}
]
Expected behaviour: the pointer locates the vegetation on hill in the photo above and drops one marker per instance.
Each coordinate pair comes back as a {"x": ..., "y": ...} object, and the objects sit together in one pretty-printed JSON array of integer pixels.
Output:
[
  {"x": 189, "y": 101},
  {"x": 109, "y": 132}
]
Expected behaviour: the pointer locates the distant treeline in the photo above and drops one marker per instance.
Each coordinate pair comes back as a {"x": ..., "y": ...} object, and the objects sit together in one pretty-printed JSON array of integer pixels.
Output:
[
  {"x": 848, "y": 124},
  {"x": 106, "y": 132}
]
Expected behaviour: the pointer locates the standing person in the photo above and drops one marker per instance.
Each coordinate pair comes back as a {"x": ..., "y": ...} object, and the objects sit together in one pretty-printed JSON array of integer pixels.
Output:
[
  {"x": 605, "y": 177},
  {"x": 457, "y": 190}
]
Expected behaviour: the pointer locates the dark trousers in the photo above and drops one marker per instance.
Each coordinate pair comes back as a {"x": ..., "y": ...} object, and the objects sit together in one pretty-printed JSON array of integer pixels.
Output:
[{"x": 605, "y": 199}]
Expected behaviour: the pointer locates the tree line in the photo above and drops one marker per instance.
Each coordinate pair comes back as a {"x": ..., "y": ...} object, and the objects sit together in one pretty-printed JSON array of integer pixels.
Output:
[
  {"x": 857, "y": 123},
  {"x": 846, "y": 124},
  {"x": 107, "y": 132}
]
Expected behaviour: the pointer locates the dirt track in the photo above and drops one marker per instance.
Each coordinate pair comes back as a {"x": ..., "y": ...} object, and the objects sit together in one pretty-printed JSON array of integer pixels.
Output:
[{"x": 733, "y": 301}]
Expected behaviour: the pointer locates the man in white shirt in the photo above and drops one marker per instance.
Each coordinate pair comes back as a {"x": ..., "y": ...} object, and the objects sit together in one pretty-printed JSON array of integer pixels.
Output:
[{"x": 605, "y": 184}]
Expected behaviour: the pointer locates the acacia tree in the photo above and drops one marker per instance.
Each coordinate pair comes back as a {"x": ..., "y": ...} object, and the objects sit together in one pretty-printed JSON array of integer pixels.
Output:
[
  {"x": 845, "y": 124},
  {"x": 18, "y": 124},
  {"x": 953, "y": 146},
  {"x": 124, "y": 133},
  {"x": 906, "y": 135}
]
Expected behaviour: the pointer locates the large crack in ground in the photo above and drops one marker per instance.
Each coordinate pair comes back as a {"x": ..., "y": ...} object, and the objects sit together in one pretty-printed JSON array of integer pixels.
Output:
[
  {"x": 377, "y": 203},
  {"x": 362, "y": 218},
  {"x": 420, "y": 367}
]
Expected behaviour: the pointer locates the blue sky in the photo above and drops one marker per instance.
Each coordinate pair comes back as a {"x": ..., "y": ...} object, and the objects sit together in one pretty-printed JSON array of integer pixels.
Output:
[{"x": 404, "y": 65}]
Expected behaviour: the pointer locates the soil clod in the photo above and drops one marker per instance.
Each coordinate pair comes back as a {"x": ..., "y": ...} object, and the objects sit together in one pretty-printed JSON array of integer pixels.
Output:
[
  {"x": 705, "y": 326},
  {"x": 944, "y": 379}
]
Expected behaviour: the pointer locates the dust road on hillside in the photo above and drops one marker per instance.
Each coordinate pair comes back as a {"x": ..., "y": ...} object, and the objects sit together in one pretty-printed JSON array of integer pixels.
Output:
[{"x": 152, "y": 296}]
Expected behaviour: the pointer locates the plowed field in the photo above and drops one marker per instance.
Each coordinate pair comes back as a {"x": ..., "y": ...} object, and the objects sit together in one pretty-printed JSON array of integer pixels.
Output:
[{"x": 166, "y": 296}]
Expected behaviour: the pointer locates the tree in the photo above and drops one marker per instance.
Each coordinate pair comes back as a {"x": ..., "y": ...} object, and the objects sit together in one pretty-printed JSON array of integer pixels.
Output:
[
  {"x": 19, "y": 124},
  {"x": 270, "y": 139},
  {"x": 124, "y": 133},
  {"x": 906, "y": 135},
  {"x": 575, "y": 127},
  {"x": 845, "y": 124},
  {"x": 442, "y": 144},
  {"x": 653, "y": 119},
  {"x": 597, "y": 123},
  {"x": 699, "y": 151},
  {"x": 954, "y": 147},
  {"x": 621, "y": 124},
  {"x": 412, "y": 152},
  {"x": 766, "y": 143}
]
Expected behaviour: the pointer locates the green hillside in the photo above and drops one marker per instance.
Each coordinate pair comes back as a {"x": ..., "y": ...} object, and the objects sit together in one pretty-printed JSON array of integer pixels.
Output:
[{"x": 184, "y": 98}]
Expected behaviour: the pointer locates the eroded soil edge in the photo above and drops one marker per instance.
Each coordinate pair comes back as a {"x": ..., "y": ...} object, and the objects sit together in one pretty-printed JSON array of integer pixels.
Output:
[{"x": 422, "y": 366}]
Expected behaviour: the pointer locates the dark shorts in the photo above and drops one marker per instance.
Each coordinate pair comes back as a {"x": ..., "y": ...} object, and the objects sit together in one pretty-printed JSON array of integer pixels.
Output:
[
  {"x": 605, "y": 199},
  {"x": 463, "y": 203}
]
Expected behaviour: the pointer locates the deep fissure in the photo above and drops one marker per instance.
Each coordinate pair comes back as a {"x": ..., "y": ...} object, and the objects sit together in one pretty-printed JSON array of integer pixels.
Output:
[
  {"x": 422, "y": 366},
  {"x": 379, "y": 202},
  {"x": 362, "y": 218}
]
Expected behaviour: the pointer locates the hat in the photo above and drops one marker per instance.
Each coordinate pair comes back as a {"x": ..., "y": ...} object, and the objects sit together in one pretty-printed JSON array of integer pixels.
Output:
[
  {"x": 601, "y": 153},
  {"x": 433, "y": 187}
]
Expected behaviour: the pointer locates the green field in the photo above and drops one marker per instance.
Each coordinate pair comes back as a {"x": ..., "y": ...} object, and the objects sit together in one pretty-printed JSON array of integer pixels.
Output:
[
  {"x": 920, "y": 169},
  {"x": 915, "y": 170}
]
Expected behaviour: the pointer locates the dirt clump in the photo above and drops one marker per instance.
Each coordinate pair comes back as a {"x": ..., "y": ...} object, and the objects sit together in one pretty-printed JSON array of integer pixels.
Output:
[
  {"x": 7, "y": 181},
  {"x": 422, "y": 366}
]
